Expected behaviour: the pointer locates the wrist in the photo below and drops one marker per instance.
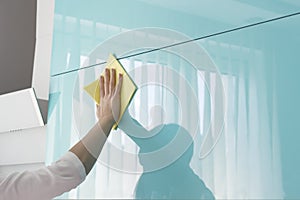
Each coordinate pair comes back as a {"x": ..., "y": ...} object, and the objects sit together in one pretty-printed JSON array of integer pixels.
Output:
[{"x": 105, "y": 124}]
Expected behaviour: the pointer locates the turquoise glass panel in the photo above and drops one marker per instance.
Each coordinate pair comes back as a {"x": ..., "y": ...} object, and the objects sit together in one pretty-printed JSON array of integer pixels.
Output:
[
  {"x": 264, "y": 59},
  {"x": 79, "y": 25},
  {"x": 229, "y": 103}
]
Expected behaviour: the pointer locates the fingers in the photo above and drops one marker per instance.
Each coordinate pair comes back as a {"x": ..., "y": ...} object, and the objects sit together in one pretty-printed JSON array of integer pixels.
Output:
[
  {"x": 107, "y": 81},
  {"x": 102, "y": 91},
  {"x": 119, "y": 86},
  {"x": 112, "y": 81}
]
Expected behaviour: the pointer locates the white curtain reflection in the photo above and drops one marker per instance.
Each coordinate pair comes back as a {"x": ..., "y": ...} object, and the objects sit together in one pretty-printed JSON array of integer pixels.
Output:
[{"x": 246, "y": 161}]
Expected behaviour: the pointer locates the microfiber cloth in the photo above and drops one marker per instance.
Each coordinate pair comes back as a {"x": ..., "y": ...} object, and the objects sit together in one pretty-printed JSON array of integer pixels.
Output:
[{"x": 127, "y": 91}]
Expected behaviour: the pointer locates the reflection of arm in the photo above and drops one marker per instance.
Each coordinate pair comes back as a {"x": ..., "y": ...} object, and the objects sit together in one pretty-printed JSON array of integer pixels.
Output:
[{"x": 132, "y": 127}]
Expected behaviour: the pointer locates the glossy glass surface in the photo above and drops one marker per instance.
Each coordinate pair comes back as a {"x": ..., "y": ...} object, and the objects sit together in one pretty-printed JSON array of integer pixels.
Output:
[
  {"x": 264, "y": 59},
  {"x": 235, "y": 94},
  {"x": 82, "y": 26}
]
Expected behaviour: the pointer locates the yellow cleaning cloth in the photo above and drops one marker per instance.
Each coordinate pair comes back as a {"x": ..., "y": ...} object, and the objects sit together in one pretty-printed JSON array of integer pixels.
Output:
[{"x": 127, "y": 91}]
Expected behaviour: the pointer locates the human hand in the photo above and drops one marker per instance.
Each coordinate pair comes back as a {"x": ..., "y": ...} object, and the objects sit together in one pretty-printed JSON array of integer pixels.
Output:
[{"x": 110, "y": 97}]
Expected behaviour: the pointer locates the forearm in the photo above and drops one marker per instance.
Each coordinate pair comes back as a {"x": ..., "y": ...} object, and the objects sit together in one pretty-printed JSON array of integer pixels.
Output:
[
  {"x": 63, "y": 175},
  {"x": 89, "y": 148}
]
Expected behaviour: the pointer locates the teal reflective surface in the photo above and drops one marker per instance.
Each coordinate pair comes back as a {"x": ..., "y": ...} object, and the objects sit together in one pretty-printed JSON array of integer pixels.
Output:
[
  {"x": 264, "y": 105},
  {"x": 256, "y": 153},
  {"x": 79, "y": 25}
]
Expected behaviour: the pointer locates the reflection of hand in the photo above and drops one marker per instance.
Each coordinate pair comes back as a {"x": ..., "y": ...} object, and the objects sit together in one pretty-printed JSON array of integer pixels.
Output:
[
  {"x": 131, "y": 126},
  {"x": 110, "y": 97}
]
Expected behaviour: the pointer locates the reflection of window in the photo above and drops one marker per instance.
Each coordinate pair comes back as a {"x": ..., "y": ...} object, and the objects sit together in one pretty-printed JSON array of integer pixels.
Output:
[{"x": 244, "y": 163}]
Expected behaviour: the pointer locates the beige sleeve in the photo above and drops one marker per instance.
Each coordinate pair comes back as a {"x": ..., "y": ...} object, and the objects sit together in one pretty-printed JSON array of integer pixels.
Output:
[{"x": 45, "y": 183}]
